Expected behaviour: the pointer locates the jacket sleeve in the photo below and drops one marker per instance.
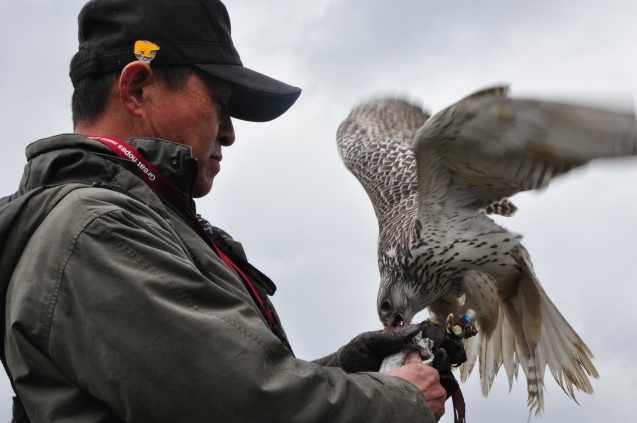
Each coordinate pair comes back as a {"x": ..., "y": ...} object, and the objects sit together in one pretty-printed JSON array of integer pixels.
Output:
[{"x": 138, "y": 327}]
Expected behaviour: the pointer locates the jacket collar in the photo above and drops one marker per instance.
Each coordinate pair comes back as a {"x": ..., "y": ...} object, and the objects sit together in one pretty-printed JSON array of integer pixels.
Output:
[{"x": 173, "y": 160}]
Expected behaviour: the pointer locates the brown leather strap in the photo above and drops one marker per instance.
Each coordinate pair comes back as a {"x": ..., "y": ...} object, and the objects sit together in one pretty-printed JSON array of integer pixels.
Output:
[{"x": 459, "y": 410}]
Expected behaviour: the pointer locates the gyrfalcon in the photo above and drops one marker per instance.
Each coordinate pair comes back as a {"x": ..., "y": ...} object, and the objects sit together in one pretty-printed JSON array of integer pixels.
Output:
[{"x": 433, "y": 181}]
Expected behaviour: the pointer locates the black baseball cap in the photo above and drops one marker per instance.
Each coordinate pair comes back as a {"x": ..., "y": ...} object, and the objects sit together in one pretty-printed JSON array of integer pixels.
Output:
[{"x": 185, "y": 32}]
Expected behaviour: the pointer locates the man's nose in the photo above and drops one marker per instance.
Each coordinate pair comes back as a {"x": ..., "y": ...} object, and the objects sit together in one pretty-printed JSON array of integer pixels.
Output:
[{"x": 226, "y": 131}]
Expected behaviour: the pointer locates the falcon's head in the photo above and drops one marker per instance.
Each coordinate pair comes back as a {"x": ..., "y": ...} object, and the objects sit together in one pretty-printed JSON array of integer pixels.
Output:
[{"x": 394, "y": 308}]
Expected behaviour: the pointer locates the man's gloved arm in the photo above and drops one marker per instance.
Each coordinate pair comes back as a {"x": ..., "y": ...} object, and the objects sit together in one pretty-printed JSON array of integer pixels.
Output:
[{"x": 366, "y": 352}]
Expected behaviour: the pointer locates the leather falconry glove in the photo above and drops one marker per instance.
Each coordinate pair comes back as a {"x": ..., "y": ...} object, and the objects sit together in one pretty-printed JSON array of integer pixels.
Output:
[{"x": 366, "y": 352}]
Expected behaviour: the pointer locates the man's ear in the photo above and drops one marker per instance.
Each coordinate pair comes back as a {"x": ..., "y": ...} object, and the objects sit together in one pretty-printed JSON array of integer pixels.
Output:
[{"x": 134, "y": 80}]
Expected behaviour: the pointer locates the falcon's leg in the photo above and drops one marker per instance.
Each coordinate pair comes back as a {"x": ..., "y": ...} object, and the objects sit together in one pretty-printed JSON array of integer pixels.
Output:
[
  {"x": 445, "y": 309},
  {"x": 444, "y": 306},
  {"x": 481, "y": 303},
  {"x": 465, "y": 327}
]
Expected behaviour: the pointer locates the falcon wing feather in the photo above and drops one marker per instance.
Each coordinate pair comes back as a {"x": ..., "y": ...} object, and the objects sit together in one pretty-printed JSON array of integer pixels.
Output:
[
  {"x": 375, "y": 144},
  {"x": 488, "y": 147}
]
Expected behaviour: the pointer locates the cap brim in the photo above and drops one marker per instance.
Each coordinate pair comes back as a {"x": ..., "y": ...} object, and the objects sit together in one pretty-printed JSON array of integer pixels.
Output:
[{"x": 255, "y": 97}]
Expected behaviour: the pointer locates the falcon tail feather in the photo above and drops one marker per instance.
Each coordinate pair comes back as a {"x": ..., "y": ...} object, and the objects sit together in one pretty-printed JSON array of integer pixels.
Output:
[{"x": 532, "y": 334}]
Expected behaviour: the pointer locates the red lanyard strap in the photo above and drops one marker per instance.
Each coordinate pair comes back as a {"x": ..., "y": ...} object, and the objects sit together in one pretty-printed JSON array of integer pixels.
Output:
[{"x": 158, "y": 183}]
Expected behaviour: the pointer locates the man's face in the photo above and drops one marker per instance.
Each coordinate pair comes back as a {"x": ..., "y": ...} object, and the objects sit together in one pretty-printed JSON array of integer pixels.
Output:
[{"x": 198, "y": 117}]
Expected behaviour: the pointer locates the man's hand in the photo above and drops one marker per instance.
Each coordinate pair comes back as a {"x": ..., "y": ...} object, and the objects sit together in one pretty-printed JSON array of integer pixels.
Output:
[{"x": 427, "y": 379}]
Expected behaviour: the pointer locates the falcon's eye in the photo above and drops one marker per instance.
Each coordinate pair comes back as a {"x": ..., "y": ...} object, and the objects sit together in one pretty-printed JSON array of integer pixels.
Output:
[{"x": 385, "y": 305}]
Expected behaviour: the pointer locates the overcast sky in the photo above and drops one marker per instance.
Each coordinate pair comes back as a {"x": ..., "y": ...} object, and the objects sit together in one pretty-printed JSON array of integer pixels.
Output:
[{"x": 305, "y": 220}]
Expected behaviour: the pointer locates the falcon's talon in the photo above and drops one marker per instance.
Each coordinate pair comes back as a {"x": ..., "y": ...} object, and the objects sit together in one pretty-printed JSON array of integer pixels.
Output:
[
  {"x": 470, "y": 330},
  {"x": 457, "y": 330},
  {"x": 449, "y": 321},
  {"x": 462, "y": 329},
  {"x": 468, "y": 327}
]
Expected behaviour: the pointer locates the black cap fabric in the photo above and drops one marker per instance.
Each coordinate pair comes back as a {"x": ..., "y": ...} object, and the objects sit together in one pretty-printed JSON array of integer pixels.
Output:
[{"x": 188, "y": 32}]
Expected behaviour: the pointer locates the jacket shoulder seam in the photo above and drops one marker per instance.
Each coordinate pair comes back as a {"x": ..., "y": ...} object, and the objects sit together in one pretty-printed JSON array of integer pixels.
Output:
[{"x": 48, "y": 316}]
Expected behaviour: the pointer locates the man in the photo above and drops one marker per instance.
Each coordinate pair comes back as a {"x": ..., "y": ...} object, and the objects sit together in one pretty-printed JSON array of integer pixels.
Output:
[{"x": 120, "y": 304}]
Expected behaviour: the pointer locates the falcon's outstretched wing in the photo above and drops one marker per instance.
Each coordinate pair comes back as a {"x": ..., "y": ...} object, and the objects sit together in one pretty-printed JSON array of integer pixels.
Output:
[
  {"x": 488, "y": 147},
  {"x": 375, "y": 143}
]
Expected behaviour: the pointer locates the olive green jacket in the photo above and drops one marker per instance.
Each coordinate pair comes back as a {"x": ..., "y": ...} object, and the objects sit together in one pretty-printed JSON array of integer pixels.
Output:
[{"x": 109, "y": 320}]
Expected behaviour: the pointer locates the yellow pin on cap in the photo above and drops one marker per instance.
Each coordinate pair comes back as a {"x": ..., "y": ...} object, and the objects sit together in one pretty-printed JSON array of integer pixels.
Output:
[{"x": 145, "y": 51}]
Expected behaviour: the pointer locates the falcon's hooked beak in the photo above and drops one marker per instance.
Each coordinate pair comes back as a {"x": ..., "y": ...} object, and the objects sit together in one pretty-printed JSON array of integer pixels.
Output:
[
  {"x": 398, "y": 321},
  {"x": 392, "y": 315}
]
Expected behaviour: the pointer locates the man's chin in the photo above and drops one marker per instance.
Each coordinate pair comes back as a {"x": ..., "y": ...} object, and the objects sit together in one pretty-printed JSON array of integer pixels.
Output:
[{"x": 202, "y": 188}]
